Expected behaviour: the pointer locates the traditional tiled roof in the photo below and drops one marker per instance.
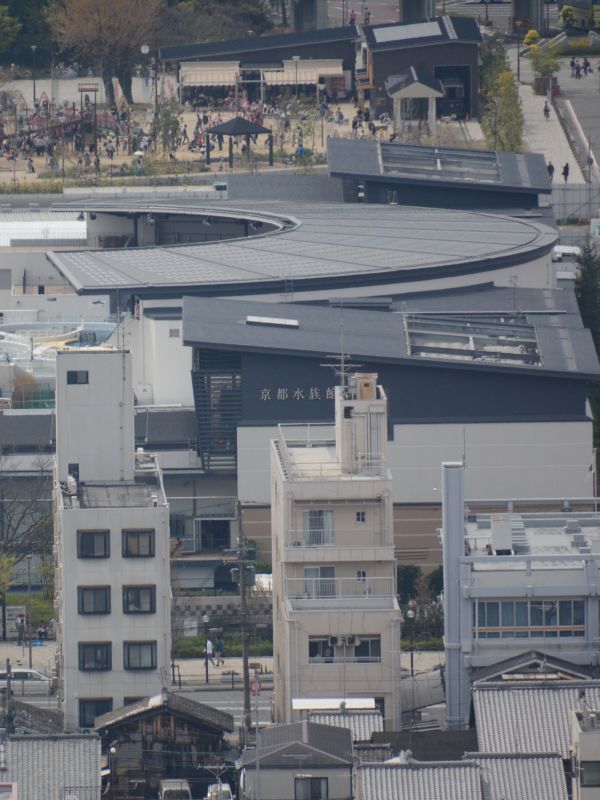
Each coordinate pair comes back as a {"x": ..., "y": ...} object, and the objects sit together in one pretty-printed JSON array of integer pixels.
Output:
[
  {"x": 362, "y": 724},
  {"x": 449, "y": 780},
  {"x": 515, "y": 777},
  {"x": 529, "y": 717}
]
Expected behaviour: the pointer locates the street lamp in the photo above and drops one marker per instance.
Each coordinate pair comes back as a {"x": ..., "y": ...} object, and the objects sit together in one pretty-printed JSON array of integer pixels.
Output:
[
  {"x": 410, "y": 613},
  {"x": 518, "y": 25},
  {"x": 296, "y": 59},
  {"x": 28, "y": 558},
  {"x": 33, "y": 49},
  {"x": 206, "y": 620}
]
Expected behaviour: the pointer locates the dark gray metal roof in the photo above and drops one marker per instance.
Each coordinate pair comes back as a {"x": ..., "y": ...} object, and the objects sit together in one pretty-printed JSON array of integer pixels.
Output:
[
  {"x": 321, "y": 745},
  {"x": 414, "y": 75},
  {"x": 533, "y": 662},
  {"x": 439, "y": 166},
  {"x": 315, "y": 245},
  {"x": 430, "y": 745},
  {"x": 566, "y": 348},
  {"x": 361, "y": 724},
  {"x": 258, "y": 44},
  {"x": 176, "y": 427}
]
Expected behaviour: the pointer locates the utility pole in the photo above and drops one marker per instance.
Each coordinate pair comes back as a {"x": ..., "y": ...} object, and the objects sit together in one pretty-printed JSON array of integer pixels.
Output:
[
  {"x": 29, "y": 626},
  {"x": 242, "y": 562}
]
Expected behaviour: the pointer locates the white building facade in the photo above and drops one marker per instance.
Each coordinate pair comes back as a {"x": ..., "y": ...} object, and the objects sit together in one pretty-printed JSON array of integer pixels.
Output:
[
  {"x": 336, "y": 626},
  {"x": 514, "y": 583},
  {"x": 111, "y": 543}
]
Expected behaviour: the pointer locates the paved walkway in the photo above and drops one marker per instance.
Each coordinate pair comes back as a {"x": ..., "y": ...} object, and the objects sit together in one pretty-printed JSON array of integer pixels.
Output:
[{"x": 541, "y": 135}]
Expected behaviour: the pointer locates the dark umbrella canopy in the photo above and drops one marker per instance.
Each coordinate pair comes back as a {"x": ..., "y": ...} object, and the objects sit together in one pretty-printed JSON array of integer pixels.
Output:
[{"x": 238, "y": 126}]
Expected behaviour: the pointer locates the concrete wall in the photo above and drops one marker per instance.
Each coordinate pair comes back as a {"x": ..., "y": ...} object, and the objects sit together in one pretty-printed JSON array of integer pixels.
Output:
[{"x": 503, "y": 460}]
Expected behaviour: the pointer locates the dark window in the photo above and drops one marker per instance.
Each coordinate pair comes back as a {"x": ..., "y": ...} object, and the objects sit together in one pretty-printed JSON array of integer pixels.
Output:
[
  {"x": 138, "y": 544},
  {"x": 368, "y": 650},
  {"x": 139, "y": 599},
  {"x": 77, "y": 376},
  {"x": 139, "y": 655},
  {"x": 95, "y": 656},
  {"x": 89, "y": 709},
  {"x": 73, "y": 470},
  {"x": 93, "y": 544},
  {"x": 129, "y": 701},
  {"x": 311, "y": 789},
  {"x": 361, "y": 516},
  {"x": 93, "y": 599},
  {"x": 590, "y": 773}
]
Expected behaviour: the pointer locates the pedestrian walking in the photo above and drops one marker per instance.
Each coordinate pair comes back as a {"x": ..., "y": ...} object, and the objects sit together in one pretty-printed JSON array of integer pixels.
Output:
[
  {"x": 546, "y": 111},
  {"x": 219, "y": 650},
  {"x": 550, "y": 169},
  {"x": 367, "y": 16},
  {"x": 20, "y": 630},
  {"x": 352, "y": 19},
  {"x": 565, "y": 172},
  {"x": 572, "y": 65},
  {"x": 209, "y": 651}
]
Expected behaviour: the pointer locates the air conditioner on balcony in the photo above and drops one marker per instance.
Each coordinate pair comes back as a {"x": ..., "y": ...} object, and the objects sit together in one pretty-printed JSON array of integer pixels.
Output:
[
  {"x": 297, "y": 543},
  {"x": 333, "y": 641},
  {"x": 350, "y": 641}
]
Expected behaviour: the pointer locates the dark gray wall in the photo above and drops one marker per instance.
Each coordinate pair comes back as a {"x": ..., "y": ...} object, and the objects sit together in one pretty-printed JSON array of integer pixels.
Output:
[{"x": 288, "y": 186}]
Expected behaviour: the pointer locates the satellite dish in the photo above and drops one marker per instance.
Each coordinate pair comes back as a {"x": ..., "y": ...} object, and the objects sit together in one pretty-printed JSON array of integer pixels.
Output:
[{"x": 145, "y": 49}]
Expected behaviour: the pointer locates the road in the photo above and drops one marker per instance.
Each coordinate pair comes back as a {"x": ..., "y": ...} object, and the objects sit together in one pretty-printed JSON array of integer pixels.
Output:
[{"x": 232, "y": 702}]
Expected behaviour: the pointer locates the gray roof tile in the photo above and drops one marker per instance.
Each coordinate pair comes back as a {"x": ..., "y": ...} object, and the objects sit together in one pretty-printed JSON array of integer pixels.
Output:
[
  {"x": 52, "y": 767},
  {"x": 362, "y": 724},
  {"x": 451, "y": 780},
  {"x": 529, "y": 717},
  {"x": 515, "y": 777}
]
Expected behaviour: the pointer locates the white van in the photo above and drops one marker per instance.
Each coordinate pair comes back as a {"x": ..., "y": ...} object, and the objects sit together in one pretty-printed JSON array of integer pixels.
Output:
[
  {"x": 174, "y": 790},
  {"x": 564, "y": 252}
]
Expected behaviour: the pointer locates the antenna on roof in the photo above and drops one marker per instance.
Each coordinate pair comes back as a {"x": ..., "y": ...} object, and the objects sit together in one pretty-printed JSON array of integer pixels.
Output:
[{"x": 340, "y": 364}]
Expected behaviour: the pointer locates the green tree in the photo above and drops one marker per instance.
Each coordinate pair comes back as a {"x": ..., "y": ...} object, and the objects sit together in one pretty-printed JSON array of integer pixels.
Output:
[
  {"x": 544, "y": 61},
  {"x": 494, "y": 61},
  {"x": 166, "y": 126},
  {"x": 9, "y": 29},
  {"x": 503, "y": 117},
  {"x": 408, "y": 574},
  {"x": 435, "y": 579},
  {"x": 105, "y": 34},
  {"x": 567, "y": 17}
]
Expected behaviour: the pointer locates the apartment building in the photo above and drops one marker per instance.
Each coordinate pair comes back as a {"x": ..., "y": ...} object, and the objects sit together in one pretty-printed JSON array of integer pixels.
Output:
[
  {"x": 336, "y": 625},
  {"x": 111, "y": 521},
  {"x": 513, "y": 584}
]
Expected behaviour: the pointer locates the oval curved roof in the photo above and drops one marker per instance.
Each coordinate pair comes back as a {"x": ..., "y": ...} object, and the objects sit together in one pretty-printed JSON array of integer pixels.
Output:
[{"x": 314, "y": 245}]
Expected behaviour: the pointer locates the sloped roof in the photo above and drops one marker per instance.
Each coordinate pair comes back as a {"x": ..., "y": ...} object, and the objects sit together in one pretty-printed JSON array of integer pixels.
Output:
[
  {"x": 362, "y": 724},
  {"x": 536, "y": 776},
  {"x": 534, "y": 662},
  {"x": 257, "y": 44},
  {"x": 182, "y": 706},
  {"x": 319, "y": 745},
  {"x": 53, "y": 767},
  {"x": 529, "y": 718},
  {"x": 430, "y": 745},
  {"x": 238, "y": 126},
  {"x": 447, "y": 780},
  {"x": 439, "y": 30},
  {"x": 396, "y": 83}
]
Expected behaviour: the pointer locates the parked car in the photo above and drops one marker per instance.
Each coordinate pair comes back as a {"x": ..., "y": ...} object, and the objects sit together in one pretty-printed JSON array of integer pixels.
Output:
[
  {"x": 224, "y": 793},
  {"x": 27, "y": 681},
  {"x": 174, "y": 790}
]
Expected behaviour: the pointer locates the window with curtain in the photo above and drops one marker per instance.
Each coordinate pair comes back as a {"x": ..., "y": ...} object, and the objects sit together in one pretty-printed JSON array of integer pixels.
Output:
[{"x": 318, "y": 528}]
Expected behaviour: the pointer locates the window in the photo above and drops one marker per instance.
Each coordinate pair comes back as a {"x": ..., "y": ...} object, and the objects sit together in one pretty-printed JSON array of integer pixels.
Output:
[
  {"x": 361, "y": 516},
  {"x": 139, "y": 655},
  {"x": 93, "y": 544},
  {"x": 174, "y": 333},
  {"x": 77, "y": 376},
  {"x": 319, "y": 581},
  {"x": 522, "y": 619},
  {"x": 318, "y": 528},
  {"x": 311, "y": 789},
  {"x": 139, "y": 599},
  {"x": 89, "y": 709},
  {"x": 138, "y": 544},
  {"x": 590, "y": 773},
  {"x": 367, "y": 650},
  {"x": 93, "y": 599},
  {"x": 73, "y": 471},
  {"x": 95, "y": 656},
  {"x": 320, "y": 650}
]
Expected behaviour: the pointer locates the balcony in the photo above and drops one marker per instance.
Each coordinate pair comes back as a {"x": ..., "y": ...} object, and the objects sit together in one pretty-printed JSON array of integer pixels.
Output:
[
  {"x": 340, "y": 537},
  {"x": 351, "y": 593}
]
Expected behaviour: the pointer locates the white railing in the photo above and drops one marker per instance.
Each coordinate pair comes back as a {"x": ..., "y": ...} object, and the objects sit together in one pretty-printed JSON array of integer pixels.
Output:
[
  {"x": 340, "y": 537},
  {"x": 322, "y": 589}
]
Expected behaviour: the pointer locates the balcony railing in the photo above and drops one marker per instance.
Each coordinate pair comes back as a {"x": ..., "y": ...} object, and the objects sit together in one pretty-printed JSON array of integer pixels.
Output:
[
  {"x": 323, "y": 589},
  {"x": 339, "y": 537}
]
